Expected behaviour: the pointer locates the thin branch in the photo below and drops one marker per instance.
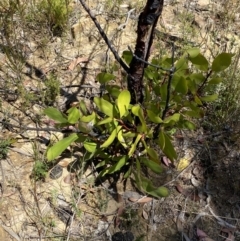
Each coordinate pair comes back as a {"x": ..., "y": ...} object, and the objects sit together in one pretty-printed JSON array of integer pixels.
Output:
[
  {"x": 147, "y": 63},
  {"x": 104, "y": 36},
  {"x": 122, "y": 26},
  {"x": 172, "y": 71}
]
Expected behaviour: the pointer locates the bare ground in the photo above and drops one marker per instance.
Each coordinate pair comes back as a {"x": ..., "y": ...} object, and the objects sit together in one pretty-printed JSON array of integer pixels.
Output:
[{"x": 204, "y": 197}]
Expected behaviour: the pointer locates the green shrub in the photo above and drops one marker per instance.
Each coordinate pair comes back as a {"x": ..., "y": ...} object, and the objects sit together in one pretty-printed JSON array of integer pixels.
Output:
[
  {"x": 51, "y": 13},
  {"x": 125, "y": 137}
]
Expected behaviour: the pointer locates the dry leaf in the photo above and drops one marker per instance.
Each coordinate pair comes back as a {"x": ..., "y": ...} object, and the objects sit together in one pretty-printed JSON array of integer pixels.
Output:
[
  {"x": 140, "y": 200},
  {"x": 183, "y": 163},
  {"x": 180, "y": 221},
  {"x": 68, "y": 179},
  {"x": 195, "y": 182},
  {"x": 201, "y": 234},
  {"x": 65, "y": 163},
  {"x": 117, "y": 220},
  {"x": 76, "y": 61},
  {"x": 192, "y": 194},
  {"x": 145, "y": 214},
  {"x": 166, "y": 161}
]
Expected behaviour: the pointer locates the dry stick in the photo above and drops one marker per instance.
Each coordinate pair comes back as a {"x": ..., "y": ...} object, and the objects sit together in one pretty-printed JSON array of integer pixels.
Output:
[{"x": 104, "y": 36}]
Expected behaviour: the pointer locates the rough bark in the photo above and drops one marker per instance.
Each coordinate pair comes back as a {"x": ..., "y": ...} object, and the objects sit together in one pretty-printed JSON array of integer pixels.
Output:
[{"x": 145, "y": 33}]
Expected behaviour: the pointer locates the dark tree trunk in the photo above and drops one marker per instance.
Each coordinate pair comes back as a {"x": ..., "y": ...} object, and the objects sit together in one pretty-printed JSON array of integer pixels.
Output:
[{"x": 145, "y": 32}]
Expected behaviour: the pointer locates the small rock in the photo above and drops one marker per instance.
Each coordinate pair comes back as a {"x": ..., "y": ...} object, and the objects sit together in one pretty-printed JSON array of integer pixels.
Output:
[{"x": 56, "y": 172}]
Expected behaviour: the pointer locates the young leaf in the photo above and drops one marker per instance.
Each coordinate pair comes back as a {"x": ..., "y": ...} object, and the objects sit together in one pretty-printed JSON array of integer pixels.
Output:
[
  {"x": 155, "y": 167},
  {"x": 193, "y": 52},
  {"x": 88, "y": 118},
  {"x": 90, "y": 146},
  {"x": 121, "y": 139},
  {"x": 215, "y": 81},
  {"x": 221, "y": 62},
  {"x": 123, "y": 102},
  {"x": 127, "y": 56},
  {"x": 73, "y": 115},
  {"x": 137, "y": 111},
  {"x": 110, "y": 139},
  {"x": 182, "y": 86},
  {"x": 175, "y": 117},
  {"x": 103, "y": 78},
  {"x": 105, "y": 121},
  {"x": 55, "y": 150},
  {"x": 209, "y": 98},
  {"x": 134, "y": 145},
  {"x": 83, "y": 108},
  {"x": 55, "y": 114},
  {"x": 104, "y": 106}
]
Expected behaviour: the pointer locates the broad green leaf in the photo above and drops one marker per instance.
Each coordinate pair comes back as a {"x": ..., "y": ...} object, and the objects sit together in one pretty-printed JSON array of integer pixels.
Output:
[
  {"x": 116, "y": 167},
  {"x": 110, "y": 139},
  {"x": 200, "y": 62},
  {"x": 90, "y": 146},
  {"x": 135, "y": 109},
  {"x": 155, "y": 167},
  {"x": 161, "y": 140},
  {"x": 55, "y": 114},
  {"x": 181, "y": 64},
  {"x": 73, "y": 115},
  {"x": 104, "y": 172},
  {"x": 121, "y": 139},
  {"x": 55, "y": 150},
  {"x": 153, "y": 117},
  {"x": 193, "y": 52},
  {"x": 166, "y": 146},
  {"x": 148, "y": 187},
  {"x": 182, "y": 86},
  {"x": 88, "y": 118},
  {"x": 85, "y": 127},
  {"x": 209, "y": 98},
  {"x": 128, "y": 173},
  {"x": 159, "y": 192},
  {"x": 123, "y": 102},
  {"x": 192, "y": 86},
  {"x": 105, "y": 121},
  {"x": 221, "y": 62},
  {"x": 215, "y": 81},
  {"x": 192, "y": 113},
  {"x": 198, "y": 78},
  {"x": 134, "y": 145},
  {"x": 114, "y": 91},
  {"x": 197, "y": 100},
  {"x": 83, "y": 107},
  {"x": 105, "y": 77},
  {"x": 153, "y": 154},
  {"x": 104, "y": 106},
  {"x": 102, "y": 163},
  {"x": 175, "y": 117},
  {"x": 163, "y": 91},
  {"x": 127, "y": 56},
  {"x": 188, "y": 125}
]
